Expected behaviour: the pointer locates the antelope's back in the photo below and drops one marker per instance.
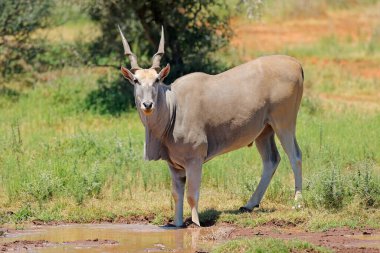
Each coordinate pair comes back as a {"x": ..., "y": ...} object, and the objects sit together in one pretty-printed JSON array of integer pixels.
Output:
[
  {"x": 241, "y": 90},
  {"x": 227, "y": 111}
]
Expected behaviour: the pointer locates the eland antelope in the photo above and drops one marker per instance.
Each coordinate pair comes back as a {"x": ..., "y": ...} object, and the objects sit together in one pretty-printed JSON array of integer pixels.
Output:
[{"x": 201, "y": 116}]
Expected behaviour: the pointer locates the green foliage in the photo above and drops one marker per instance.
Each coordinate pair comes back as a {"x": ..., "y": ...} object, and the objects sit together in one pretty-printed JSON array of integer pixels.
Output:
[
  {"x": 9, "y": 93},
  {"x": 286, "y": 9},
  {"x": 18, "y": 19},
  {"x": 332, "y": 190},
  {"x": 22, "y": 214},
  {"x": 42, "y": 187},
  {"x": 53, "y": 149},
  {"x": 194, "y": 30},
  {"x": 24, "y": 48},
  {"x": 68, "y": 11},
  {"x": 59, "y": 55},
  {"x": 290, "y": 9},
  {"x": 113, "y": 96},
  {"x": 365, "y": 186}
]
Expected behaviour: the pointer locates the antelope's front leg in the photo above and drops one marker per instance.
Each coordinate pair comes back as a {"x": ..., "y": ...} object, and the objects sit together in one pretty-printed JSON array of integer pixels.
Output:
[
  {"x": 194, "y": 175},
  {"x": 178, "y": 188}
]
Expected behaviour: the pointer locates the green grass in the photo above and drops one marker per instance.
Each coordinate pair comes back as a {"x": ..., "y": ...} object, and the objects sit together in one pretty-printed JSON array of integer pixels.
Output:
[
  {"x": 332, "y": 47},
  {"x": 259, "y": 245},
  {"x": 62, "y": 159},
  {"x": 280, "y": 10}
]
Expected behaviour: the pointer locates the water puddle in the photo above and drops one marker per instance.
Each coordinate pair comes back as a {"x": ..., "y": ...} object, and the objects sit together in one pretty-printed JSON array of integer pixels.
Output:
[
  {"x": 366, "y": 240},
  {"x": 108, "y": 238}
]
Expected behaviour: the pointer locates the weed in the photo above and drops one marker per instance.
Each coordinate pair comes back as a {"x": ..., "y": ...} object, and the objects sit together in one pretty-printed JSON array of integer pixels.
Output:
[
  {"x": 42, "y": 187},
  {"x": 22, "y": 214},
  {"x": 332, "y": 190},
  {"x": 159, "y": 219},
  {"x": 365, "y": 185},
  {"x": 267, "y": 245}
]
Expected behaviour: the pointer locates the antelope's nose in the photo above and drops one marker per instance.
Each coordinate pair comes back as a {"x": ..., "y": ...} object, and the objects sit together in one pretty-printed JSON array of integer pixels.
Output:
[{"x": 148, "y": 105}]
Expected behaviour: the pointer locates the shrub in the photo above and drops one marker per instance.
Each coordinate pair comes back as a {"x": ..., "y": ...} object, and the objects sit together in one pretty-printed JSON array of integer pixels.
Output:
[
  {"x": 194, "y": 30},
  {"x": 326, "y": 190},
  {"x": 365, "y": 186},
  {"x": 332, "y": 190},
  {"x": 18, "y": 19},
  {"x": 41, "y": 188},
  {"x": 113, "y": 96}
]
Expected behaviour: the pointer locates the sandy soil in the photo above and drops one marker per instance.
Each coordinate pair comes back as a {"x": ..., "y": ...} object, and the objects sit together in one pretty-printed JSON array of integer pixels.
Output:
[{"x": 276, "y": 35}]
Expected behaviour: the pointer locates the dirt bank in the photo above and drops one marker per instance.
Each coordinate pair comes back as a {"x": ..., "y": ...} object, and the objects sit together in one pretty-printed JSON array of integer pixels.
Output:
[{"x": 340, "y": 239}]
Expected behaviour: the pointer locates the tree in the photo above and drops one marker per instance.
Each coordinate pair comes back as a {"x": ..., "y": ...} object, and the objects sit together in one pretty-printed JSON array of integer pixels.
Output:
[
  {"x": 193, "y": 31},
  {"x": 18, "y": 19}
]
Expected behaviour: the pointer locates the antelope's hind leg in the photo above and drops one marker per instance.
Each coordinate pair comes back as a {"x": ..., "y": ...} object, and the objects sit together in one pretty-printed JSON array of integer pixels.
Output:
[
  {"x": 290, "y": 145},
  {"x": 271, "y": 158}
]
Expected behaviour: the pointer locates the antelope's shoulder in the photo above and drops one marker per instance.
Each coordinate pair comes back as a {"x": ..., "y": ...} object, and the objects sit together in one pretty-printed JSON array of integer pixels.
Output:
[
  {"x": 190, "y": 84},
  {"x": 190, "y": 79}
]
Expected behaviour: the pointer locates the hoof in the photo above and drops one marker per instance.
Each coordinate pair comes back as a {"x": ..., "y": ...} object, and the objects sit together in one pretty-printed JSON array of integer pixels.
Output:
[
  {"x": 243, "y": 209},
  {"x": 170, "y": 225},
  {"x": 297, "y": 206},
  {"x": 298, "y": 201}
]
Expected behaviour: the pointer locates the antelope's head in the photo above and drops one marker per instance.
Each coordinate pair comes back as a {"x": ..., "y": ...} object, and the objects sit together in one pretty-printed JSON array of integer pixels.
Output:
[{"x": 145, "y": 81}]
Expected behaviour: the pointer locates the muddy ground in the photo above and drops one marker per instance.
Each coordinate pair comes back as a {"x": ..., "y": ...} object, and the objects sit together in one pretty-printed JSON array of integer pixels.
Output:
[
  {"x": 27, "y": 244},
  {"x": 339, "y": 240}
]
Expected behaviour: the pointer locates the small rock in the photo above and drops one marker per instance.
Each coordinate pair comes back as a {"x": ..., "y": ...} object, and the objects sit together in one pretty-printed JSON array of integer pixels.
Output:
[{"x": 159, "y": 245}]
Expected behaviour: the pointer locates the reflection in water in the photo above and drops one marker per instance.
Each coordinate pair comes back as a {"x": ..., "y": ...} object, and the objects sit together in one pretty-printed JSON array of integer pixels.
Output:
[{"x": 131, "y": 238}]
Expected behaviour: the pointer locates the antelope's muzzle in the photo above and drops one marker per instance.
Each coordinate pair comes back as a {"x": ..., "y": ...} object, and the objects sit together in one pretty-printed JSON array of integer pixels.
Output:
[{"x": 147, "y": 107}]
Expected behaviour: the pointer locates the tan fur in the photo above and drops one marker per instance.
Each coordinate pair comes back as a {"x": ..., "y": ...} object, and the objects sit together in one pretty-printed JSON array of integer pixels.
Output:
[
  {"x": 201, "y": 116},
  {"x": 146, "y": 76}
]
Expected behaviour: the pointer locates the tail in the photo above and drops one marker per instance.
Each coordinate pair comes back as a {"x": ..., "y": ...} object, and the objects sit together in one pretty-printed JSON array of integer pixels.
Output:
[{"x": 300, "y": 90}]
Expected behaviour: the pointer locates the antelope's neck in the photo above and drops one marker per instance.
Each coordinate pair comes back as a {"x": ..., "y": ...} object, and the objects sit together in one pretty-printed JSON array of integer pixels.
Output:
[{"x": 160, "y": 123}]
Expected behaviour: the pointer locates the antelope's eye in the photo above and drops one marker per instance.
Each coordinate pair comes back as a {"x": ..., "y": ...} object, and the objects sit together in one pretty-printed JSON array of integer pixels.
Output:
[{"x": 136, "y": 81}]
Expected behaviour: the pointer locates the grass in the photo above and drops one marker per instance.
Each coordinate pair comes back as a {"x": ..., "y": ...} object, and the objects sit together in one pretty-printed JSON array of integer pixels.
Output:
[
  {"x": 62, "y": 160},
  {"x": 280, "y": 10},
  {"x": 258, "y": 245}
]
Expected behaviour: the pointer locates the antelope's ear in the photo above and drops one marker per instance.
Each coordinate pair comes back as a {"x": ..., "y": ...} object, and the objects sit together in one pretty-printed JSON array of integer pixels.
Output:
[
  {"x": 128, "y": 75},
  {"x": 164, "y": 72}
]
